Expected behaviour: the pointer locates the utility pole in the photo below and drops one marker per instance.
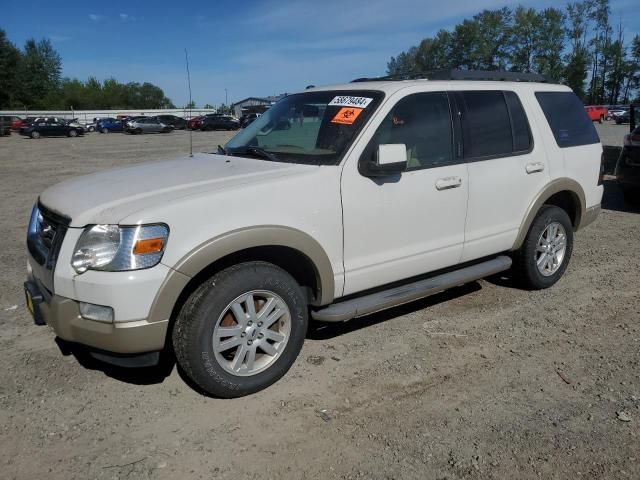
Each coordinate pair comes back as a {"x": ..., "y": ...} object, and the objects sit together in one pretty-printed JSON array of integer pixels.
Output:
[{"x": 226, "y": 99}]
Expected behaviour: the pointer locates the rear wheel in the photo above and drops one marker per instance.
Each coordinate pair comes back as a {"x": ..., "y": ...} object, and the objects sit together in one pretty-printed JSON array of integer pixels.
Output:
[
  {"x": 545, "y": 253},
  {"x": 35, "y": 134},
  {"x": 105, "y": 130},
  {"x": 241, "y": 330}
]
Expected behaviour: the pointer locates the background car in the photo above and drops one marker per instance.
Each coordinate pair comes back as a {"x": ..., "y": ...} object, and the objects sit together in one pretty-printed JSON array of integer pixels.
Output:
[
  {"x": 51, "y": 127},
  {"x": 5, "y": 125},
  {"x": 628, "y": 167},
  {"x": 194, "y": 123},
  {"x": 623, "y": 118},
  {"x": 16, "y": 123},
  {"x": 147, "y": 125},
  {"x": 177, "y": 123},
  {"x": 616, "y": 110},
  {"x": 221, "y": 122},
  {"x": 248, "y": 119},
  {"x": 106, "y": 125},
  {"x": 597, "y": 113}
]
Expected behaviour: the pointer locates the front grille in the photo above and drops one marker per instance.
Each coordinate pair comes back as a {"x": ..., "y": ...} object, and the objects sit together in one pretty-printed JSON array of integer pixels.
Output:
[{"x": 44, "y": 239}]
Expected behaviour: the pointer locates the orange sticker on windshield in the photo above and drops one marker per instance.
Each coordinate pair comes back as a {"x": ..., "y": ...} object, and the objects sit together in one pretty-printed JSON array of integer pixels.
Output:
[{"x": 347, "y": 115}]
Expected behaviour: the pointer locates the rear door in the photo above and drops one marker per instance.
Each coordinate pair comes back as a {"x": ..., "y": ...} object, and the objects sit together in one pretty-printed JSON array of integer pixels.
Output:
[{"x": 507, "y": 168}]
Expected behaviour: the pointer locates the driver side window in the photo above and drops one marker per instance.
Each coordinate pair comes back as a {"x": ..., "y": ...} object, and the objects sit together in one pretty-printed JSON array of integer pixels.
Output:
[{"x": 422, "y": 122}]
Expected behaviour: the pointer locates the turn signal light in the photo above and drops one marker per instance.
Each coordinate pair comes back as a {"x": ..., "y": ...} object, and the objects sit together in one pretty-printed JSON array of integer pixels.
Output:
[{"x": 149, "y": 245}]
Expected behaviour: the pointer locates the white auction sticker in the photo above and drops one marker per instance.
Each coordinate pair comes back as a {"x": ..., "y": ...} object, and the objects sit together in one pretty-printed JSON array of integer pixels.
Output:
[{"x": 347, "y": 101}]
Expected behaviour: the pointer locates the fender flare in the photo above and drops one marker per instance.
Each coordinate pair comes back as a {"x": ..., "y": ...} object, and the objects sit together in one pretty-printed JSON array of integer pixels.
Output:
[
  {"x": 219, "y": 247},
  {"x": 555, "y": 186}
]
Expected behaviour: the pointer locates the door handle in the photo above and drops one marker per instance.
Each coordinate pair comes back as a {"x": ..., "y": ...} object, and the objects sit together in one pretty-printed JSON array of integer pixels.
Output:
[
  {"x": 447, "y": 183},
  {"x": 534, "y": 167}
]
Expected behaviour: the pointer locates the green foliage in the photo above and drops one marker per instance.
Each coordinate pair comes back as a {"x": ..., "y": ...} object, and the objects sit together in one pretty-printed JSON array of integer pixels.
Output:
[
  {"x": 225, "y": 109},
  {"x": 31, "y": 79},
  {"x": 9, "y": 60},
  {"x": 570, "y": 46}
]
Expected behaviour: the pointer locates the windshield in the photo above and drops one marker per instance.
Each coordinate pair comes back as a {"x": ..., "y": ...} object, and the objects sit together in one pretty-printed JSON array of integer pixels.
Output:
[{"x": 311, "y": 127}]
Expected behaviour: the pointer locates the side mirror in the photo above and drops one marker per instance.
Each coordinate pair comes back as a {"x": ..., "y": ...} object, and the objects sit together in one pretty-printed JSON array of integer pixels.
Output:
[{"x": 388, "y": 159}]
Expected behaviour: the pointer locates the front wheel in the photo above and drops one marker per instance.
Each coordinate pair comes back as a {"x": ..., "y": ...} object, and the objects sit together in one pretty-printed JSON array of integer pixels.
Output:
[
  {"x": 35, "y": 134},
  {"x": 241, "y": 330},
  {"x": 545, "y": 253},
  {"x": 73, "y": 133},
  {"x": 105, "y": 130}
]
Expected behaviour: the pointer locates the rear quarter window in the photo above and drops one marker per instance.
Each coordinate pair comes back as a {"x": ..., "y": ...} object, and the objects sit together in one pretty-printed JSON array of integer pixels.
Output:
[{"x": 569, "y": 122}]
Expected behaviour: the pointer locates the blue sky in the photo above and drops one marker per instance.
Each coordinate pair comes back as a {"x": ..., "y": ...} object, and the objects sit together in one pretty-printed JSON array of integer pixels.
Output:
[{"x": 251, "y": 48}]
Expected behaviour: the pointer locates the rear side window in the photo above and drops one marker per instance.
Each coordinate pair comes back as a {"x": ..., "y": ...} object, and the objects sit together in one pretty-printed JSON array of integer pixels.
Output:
[
  {"x": 486, "y": 125},
  {"x": 494, "y": 124},
  {"x": 570, "y": 124}
]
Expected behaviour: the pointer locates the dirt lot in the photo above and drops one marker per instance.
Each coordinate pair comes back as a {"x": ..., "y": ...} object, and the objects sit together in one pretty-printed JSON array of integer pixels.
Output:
[{"x": 485, "y": 381}]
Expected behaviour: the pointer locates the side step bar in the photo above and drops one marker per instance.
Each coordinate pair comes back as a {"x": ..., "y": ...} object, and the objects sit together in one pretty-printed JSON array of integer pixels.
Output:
[{"x": 356, "y": 307}]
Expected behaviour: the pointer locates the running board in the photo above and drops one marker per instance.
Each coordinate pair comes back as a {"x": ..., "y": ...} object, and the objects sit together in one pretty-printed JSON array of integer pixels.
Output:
[{"x": 356, "y": 307}]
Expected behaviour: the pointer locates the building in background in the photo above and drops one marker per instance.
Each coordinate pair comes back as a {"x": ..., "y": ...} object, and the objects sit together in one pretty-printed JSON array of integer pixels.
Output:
[{"x": 255, "y": 104}]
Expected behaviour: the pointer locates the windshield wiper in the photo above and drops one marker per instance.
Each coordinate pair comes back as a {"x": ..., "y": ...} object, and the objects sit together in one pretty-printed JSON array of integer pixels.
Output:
[
  {"x": 222, "y": 150},
  {"x": 260, "y": 152}
]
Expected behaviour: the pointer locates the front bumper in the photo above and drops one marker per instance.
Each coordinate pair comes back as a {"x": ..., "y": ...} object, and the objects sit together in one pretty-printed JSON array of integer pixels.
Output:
[{"x": 62, "y": 315}]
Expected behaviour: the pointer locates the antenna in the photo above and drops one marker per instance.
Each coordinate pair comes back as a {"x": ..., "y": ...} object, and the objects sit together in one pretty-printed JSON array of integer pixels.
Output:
[{"x": 186, "y": 57}]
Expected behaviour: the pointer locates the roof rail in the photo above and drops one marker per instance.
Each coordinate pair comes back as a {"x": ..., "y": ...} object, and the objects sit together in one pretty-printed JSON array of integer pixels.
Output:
[{"x": 454, "y": 74}]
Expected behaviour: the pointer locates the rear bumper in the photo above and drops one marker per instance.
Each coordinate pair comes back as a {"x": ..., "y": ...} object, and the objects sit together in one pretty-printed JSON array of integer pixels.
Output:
[{"x": 62, "y": 315}]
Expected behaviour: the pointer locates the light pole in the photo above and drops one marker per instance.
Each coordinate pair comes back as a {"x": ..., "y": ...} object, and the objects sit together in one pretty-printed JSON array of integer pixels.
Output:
[{"x": 226, "y": 100}]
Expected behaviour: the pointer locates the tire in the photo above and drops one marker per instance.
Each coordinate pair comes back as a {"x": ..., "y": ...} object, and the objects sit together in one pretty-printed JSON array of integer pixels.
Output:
[
  {"x": 73, "y": 133},
  {"x": 34, "y": 134},
  {"x": 211, "y": 307},
  {"x": 527, "y": 272},
  {"x": 91, "y": 129},
  {"x": 105, "y": 130},
  {"x": 601, "y": 119}
]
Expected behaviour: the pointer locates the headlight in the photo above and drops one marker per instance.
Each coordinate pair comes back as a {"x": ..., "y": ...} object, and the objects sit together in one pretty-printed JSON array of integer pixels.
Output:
[{"x": 116, "y": 249}]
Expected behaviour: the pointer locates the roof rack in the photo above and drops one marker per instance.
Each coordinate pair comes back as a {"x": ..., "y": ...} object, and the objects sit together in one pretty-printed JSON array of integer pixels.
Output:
[{"x": 454, "y": 74}]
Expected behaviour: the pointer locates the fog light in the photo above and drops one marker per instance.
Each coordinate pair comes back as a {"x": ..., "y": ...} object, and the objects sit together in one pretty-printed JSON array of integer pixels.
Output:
[{"x": 96, "y": 312}]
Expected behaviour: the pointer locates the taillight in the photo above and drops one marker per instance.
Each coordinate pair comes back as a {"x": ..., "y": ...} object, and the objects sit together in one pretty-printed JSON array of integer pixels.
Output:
[{"x": 601, "y": 174}]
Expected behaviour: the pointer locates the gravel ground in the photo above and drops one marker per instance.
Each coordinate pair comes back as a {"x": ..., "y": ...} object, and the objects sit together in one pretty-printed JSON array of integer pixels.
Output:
[{"x": 485, "y": 381}]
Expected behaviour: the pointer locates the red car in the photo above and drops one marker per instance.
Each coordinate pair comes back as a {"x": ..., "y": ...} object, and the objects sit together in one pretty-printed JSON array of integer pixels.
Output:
[
  {"x": 597, "y": 113},
  {"x": 194, "y": 123},
  {"x": 16, "y": 123}
]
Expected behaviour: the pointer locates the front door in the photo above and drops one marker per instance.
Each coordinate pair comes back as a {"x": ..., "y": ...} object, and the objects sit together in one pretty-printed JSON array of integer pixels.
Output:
[{"x": 412, "y": 223}]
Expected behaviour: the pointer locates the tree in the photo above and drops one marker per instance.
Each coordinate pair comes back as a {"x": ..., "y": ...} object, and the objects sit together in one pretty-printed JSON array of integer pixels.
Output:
[
  {"x": 208, "y": 106},
  {"x": 525, "y": 37},
  {"x": 548, "y": 56},
  {"x": 577, "y": 61},
  {"x": 38, "y": 73},
  {"x": 190, "y": 105},
  {"x": 10, "y": 58}
]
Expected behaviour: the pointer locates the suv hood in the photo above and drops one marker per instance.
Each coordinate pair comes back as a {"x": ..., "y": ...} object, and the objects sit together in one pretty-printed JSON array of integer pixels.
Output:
[{"x": 110, "y": 196}]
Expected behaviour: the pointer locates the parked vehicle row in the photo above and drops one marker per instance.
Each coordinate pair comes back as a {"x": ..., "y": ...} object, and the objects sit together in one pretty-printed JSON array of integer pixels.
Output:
[{"x": 123, "y": 124}]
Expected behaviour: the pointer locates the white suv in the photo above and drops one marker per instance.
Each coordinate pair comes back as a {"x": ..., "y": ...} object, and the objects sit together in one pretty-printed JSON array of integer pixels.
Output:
[{"x": 337, "y": 202}]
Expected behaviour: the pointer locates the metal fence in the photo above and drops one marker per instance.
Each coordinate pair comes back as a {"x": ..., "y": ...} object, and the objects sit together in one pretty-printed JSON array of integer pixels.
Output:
[{"x": 89, "y": 115}]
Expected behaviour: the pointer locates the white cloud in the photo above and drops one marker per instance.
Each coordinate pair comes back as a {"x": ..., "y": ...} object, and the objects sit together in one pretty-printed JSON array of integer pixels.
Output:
[
  {"x": 95, "y": 17},
  {"x": 59, "y": 38},
  {"x": 125, "y": 17}
]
